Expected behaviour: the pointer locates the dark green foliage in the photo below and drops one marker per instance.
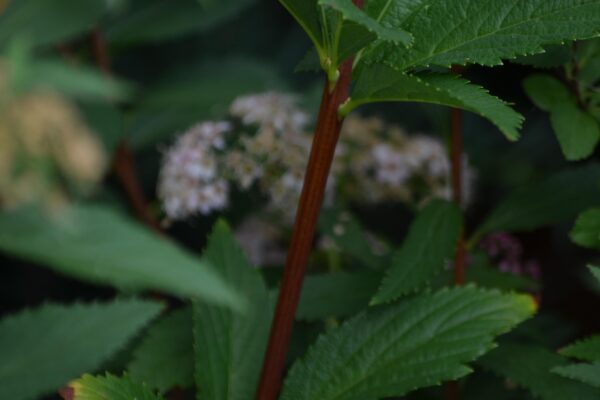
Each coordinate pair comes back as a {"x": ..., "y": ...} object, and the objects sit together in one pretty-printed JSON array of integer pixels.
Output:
[
  {"x": 165, "y": 358},
  {"x": 43, "y": 349}
]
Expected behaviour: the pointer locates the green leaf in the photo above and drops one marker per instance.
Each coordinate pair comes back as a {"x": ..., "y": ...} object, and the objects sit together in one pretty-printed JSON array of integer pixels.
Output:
[
  {"x": 83, "y": 83},
  {"x": 164, "y": 359},
  {"x": 349, "y": 236},
  {"x": 481, "y": 273},
  {"x": 337, "y": 295},
  {"x": 586, "y": 231},
  {"x": 595, "y": 271},
  {"x": 306, "y": 13},
  {"x": 380, "y": 83},
  {"x": 547, "y": 92},
  {"x": 43, "y": 349},
  {"x": 556, "y": 199},
  {"x": 229, "y": 348},
  {"x": 352, "y": 13},
  {"x": 389, "y": 351},
  {"x": 48, "y": 22},
  {"x": 577, "y": 131},
  {"x": 586, "y": 349},
  {"x": 158, "y": 21},
  {"x": 393, "y": 13},
  {"x": 427, "y": 250},
  {"x": 586, "y": 373},
  {"x": 99, "y": 245},
  {"x": 459, "y": 32},
  {"x": 530, "y": 366},
  {"x": 110, "y": 387},
  {"x": 554, "y": 56},
  {"x": 193, "y": 93},
  {"x": 105, "y": 120}
]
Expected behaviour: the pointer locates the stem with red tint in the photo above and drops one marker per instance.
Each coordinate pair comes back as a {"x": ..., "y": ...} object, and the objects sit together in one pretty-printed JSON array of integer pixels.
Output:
[
  {"x": 452, "y": 391},
  {"x": 123, "y": 162},
  {"x": 456, "y": 153},
  {"x": 321, "y": 157},
  {"x": 456, "y": 158}
]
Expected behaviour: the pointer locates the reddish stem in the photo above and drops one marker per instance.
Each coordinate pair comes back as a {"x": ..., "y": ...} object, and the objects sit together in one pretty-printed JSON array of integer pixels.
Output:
[
  {"x": 123, "y": 161},
  {"x": 321, "y": 157},
  {"x": 452, "y": 391},
  {"x": 124, "y": 168},
  {"x": 456, "y": 157},
  {"x": 100, "y": 51}
]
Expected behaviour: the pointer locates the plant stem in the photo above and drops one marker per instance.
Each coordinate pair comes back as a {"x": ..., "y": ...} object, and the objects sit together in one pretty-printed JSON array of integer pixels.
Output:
[
  {"x": 321, "y": 157},
  {"x": 456, "y": 157},
  {"x": 452, "y": 390},
  {"x": 123, "y": 162}
]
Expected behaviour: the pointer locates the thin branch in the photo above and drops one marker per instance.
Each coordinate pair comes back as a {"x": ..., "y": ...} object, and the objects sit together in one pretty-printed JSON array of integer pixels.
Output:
[
  {"x": 123, "y": 161},
  {"x": 321, "y": 157},
  {"x": 456, "y": 157},
  {"x": 452, "y": 390}
]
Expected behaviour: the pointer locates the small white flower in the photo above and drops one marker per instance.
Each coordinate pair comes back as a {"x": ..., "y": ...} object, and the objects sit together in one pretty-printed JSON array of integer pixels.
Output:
[
  {"x": 271, "y": 109},
  {"x": 391, "y": 167},
  {"x": 189, "y": 181}
]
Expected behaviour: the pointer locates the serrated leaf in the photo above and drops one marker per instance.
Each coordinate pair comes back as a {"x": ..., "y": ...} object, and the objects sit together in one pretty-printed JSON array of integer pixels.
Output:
[
  {"x": 577, "y": 131},
  {"x": 557, "y": 198},
  {"x": 337, "y": 295},
  {"x": 554, "y": 56},
  {"x": 99, "y": 245},
  {"x": 586, "y": 231},
  {"x": 530, "y": 366},
  {"x": 229, "y": 347},
  {"x": 426, "y": 251},
  {"x": 380, "y": 83},
  {"x": 459, "y": 32},
  {"x": 547, "y": 92},
  {"x": 160, "y": 21},
  {"x": 352, "y": 13},
  {"x": 586, "y": 349},
  {"x": 586, "y": 373},
  {"x": 164, "y": 359},
  {"x": 48, "y": 22},
  {"x": 306, "y": 13},
  {"x": 595, "y": 271},
  {"x": 110, "y": 387},
  {"x": 481, "y": 273},
  {"x": 43, "y": 349},
  {"x": 389, "y": 351},
  {"x": 349, "y": 236}
]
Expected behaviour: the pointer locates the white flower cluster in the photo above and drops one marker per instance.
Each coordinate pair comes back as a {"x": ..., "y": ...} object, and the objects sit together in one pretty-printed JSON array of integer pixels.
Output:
[
  {"x": 385, "y": 164},
  {"x": 190, "y": 181},
  {"x": 270, "y": 151}
]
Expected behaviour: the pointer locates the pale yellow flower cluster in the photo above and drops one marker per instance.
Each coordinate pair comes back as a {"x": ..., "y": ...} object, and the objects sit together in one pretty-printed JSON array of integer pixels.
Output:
[{"x": 47, "y": 153}]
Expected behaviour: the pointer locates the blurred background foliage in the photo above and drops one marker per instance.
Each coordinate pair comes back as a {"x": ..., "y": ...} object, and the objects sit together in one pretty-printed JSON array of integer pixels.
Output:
[{"x": 176, "y": 62}]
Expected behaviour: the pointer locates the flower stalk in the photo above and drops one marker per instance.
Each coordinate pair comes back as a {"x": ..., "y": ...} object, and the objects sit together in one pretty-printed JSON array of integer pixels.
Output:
[
  {"x": 123, "y": 163},
  {"x": 326, "y": 136}
]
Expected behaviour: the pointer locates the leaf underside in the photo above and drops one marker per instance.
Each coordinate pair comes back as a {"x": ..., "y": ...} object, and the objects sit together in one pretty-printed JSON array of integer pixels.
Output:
[{"x": 93, "y": 243}]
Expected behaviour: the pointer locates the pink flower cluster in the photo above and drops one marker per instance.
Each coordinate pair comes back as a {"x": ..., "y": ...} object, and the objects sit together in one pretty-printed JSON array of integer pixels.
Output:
[{"x": 507, "y": 252}]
